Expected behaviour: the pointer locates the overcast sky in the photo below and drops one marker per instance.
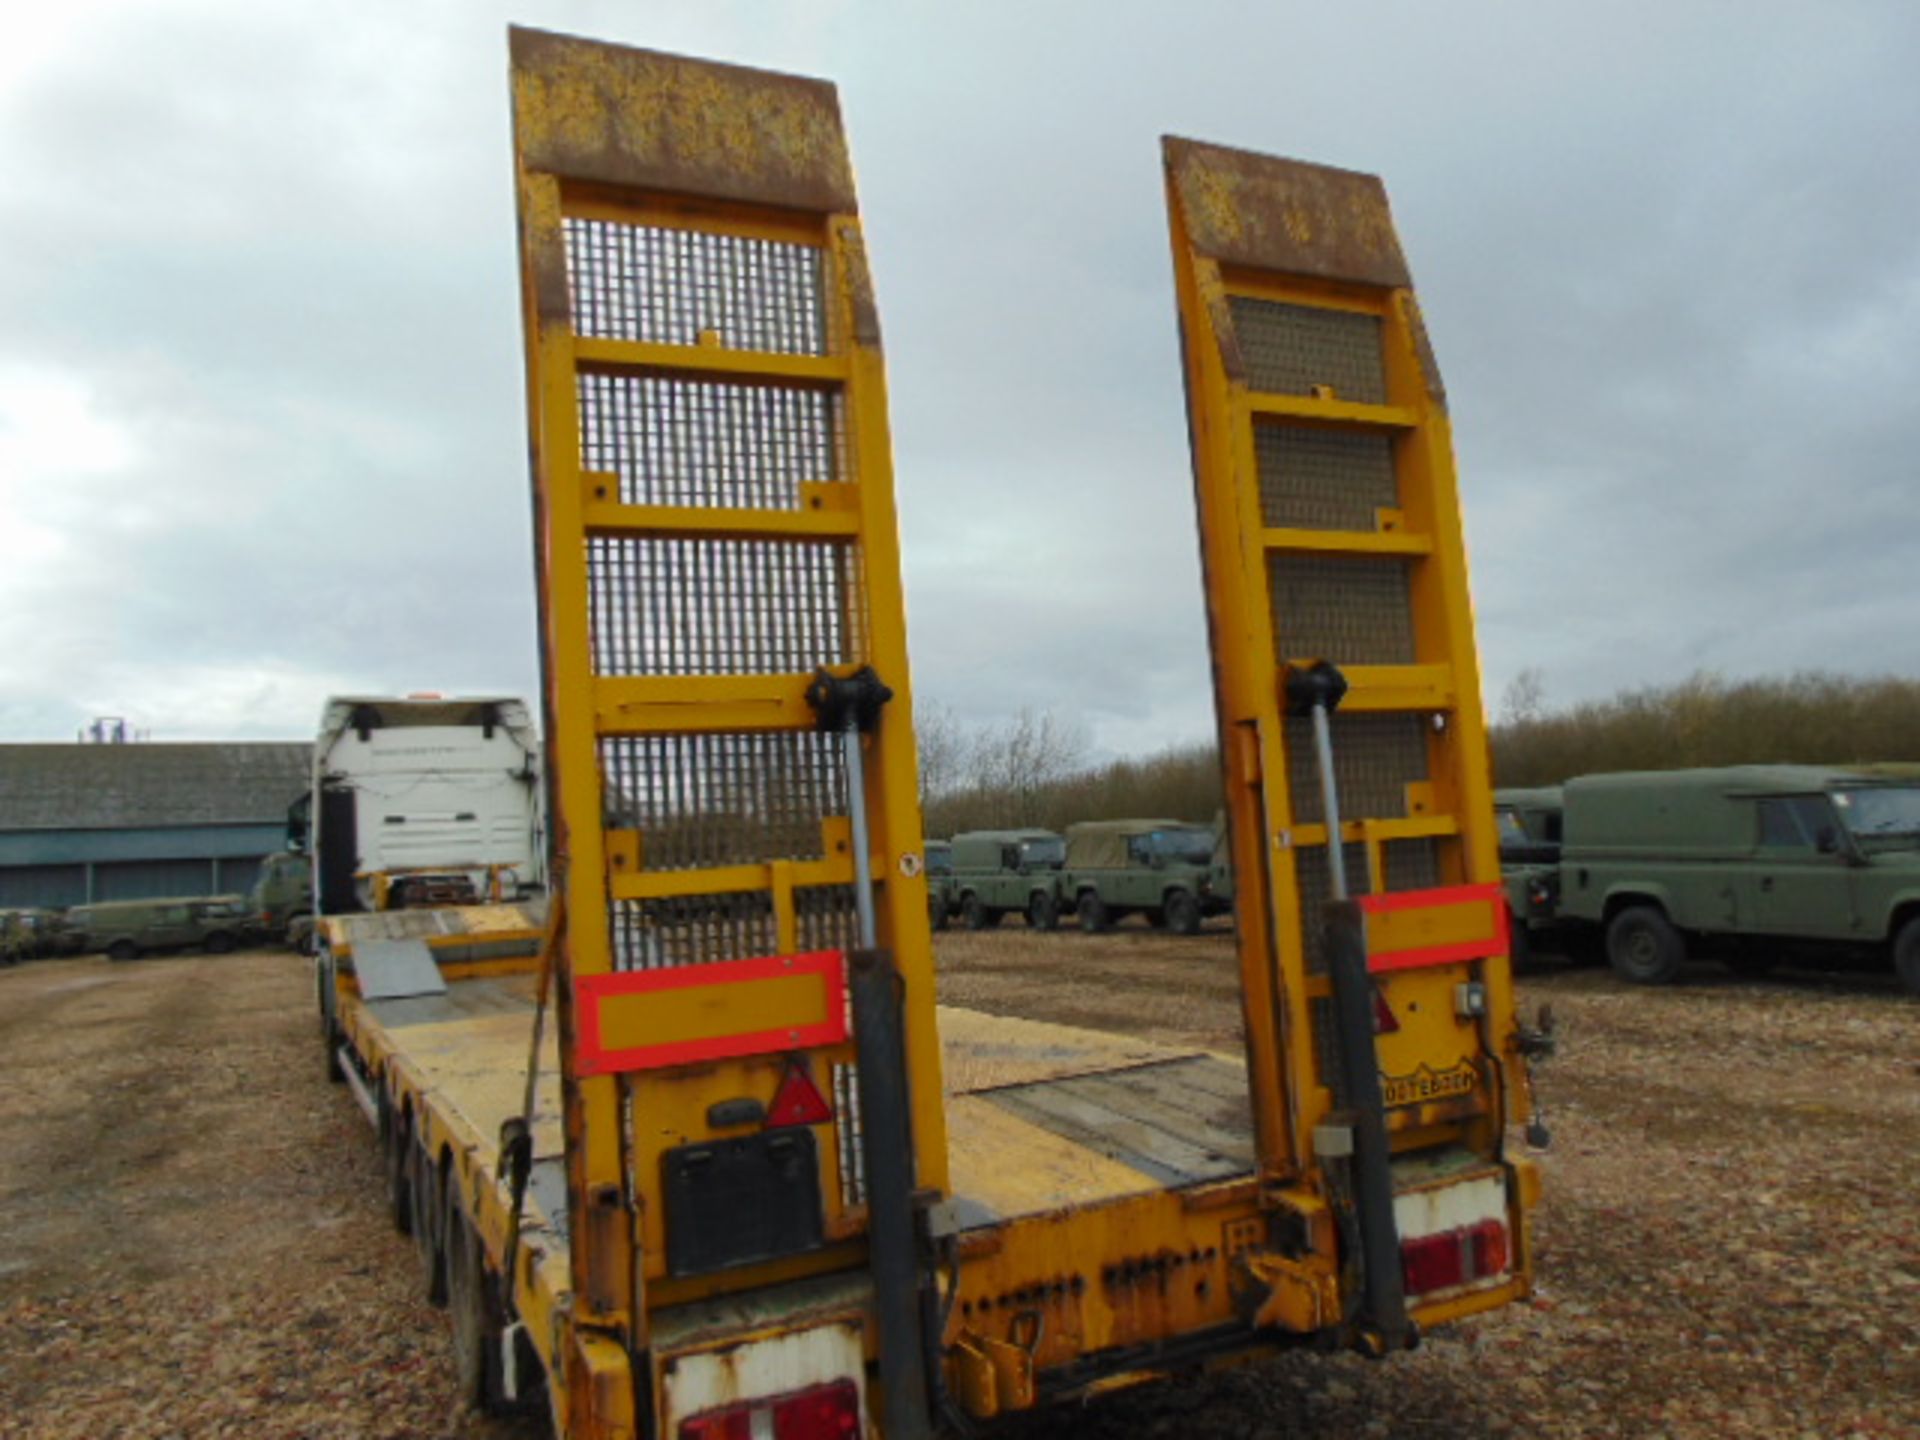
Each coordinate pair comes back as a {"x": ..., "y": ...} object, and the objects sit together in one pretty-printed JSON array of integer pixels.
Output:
[{"x": 261, "y": 429}]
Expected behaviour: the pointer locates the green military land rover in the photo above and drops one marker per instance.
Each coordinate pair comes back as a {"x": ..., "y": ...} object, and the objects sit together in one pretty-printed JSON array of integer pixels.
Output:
[
  {"x": 941, "y": 897},
  {"x": 1164, "y": 869},
  {"x": 995, "y": 871},
  {"x": 1529, "y": 826},
  {"x": 1743, "y": 863},
  {"x": 126, "y": 929}
]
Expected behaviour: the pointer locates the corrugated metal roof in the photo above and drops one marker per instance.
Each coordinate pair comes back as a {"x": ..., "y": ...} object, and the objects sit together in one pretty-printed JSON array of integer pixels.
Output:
[{"x": 104, "y": 787}]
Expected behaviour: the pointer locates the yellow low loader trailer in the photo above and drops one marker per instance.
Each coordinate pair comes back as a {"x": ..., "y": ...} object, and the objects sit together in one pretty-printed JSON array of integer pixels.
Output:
[{"x": 717, "y": 1166}]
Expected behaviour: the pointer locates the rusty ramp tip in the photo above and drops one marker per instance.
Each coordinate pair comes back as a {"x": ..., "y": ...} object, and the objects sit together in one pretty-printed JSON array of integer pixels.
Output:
[
  {"x": 1268, "y": 213},
  {"x": 615, "y": 115}
]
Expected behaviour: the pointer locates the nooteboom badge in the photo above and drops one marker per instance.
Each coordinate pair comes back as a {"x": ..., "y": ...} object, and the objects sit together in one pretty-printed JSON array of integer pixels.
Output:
[{"x": 1427, "y": 1084}]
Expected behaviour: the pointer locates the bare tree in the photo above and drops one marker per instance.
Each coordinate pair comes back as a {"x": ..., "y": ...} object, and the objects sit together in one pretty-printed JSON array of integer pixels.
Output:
[
  {"x": 943, "y": 748},
  {"x": 1525, "y": 698}
]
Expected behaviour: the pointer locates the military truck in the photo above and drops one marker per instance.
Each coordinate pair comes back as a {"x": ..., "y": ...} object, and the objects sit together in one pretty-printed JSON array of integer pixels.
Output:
[
  {"x": 1529, "y": 822},
  {"x": 127, "y": 929},
  {"x": 1743, "y": 863},
  {"x": 1164, "y": 869},
  {"x": 941, "y": 896},
  {"x": 997, "y": 871},
  {"x": 282, "y": 893}
]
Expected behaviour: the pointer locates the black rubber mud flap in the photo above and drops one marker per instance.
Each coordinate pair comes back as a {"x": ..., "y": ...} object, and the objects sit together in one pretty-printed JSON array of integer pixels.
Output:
[{"x": 735, "y": 1202}]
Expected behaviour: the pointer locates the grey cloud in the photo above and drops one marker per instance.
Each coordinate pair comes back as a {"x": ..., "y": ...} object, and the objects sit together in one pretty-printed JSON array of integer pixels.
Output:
[{"x": 1668, "y": 257}]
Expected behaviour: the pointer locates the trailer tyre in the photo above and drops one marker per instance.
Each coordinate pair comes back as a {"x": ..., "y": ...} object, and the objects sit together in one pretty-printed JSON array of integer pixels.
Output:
[
  {"x": 219, "y": 943},
  {"x": 1906, "y": 955},
  {"x": 429, "y": 1217},
  {"x": 1182, "y": 912},
  {"x": 123, "y": 950},
  {"x": 1643, "y": 947},
  {"x": 936, "y": 912},
  {"x": 478, "y": 1323},
  {"x": 1092, "y": 911},
  {"x": 1043, "y": 912},
  {"x": 397, "y": 1133}
]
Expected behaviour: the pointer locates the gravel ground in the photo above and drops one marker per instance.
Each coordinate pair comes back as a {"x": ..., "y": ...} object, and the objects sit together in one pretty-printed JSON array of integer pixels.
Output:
[
  {"x": 1730, "y": 1244},
  {"x": 196, "y": 1243}
]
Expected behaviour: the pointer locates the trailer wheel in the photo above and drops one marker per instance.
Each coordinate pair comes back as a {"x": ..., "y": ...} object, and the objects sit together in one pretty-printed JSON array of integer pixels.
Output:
[
  {"x": 219, "y": 943},
  {"x": 1092, "y": 911},
  {"x": 429, "y": 1218},
  {"x": 1182, "y": 912},
  {"x": 937, "y": 912},
  {"x": 396, "y": 1134},
  {"x": 123, "y": 950},
  {"x": 1643, "y": 946},
  {"x": 1043, "y": 911},
  {"x": 477, "y": 1316},
  {"x": 1906, "y": 955}
]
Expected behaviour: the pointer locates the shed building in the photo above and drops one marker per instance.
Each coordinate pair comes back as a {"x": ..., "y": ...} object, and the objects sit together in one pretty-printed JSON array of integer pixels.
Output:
[{"x": 83, "y": 823}]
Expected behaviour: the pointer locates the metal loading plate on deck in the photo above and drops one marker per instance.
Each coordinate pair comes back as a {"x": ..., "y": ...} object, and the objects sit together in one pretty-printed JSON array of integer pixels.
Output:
[{"x": 396, "y": 970}]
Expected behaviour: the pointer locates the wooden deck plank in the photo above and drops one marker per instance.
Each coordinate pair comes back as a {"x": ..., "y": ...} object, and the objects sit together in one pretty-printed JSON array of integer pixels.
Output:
[
  {"x": 1011, "y": 1166},
  {"x": 1158, "y": 1095},
  {"x": 1117, "y": 1134}
]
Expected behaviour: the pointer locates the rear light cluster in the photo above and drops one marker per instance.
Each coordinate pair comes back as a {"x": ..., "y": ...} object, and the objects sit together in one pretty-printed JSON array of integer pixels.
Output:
[
  {"x": 1454, "y": 1257},
  {"x": 823, "y": 1412}
]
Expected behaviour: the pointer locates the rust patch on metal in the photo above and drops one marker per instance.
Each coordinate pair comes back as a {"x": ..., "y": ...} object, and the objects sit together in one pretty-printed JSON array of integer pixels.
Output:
[
  {"x": 1423, "y": 350},
  {"x": 857, "y": 281},
  {"x": 543, "y": 248},
  {"x": 609, "y": 114},
  {"x": 1272, "y": 214},
  {"x": 1221, "y": 315}
]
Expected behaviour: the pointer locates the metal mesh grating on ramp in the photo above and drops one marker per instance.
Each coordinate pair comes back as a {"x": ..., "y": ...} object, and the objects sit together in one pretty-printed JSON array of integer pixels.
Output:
[
  {"x": 1375, "y": 757},
  {"x": 1315, "y": 479},
  {"x": 1289, "y": 349},
  {"x": 1315, "y": 889},
  {"x": 1352, "y": 610},
  {"x": 709, "y": 442},
  {"x": 1412, "y": 864},
  {"x": 1326, "y": 1050},
  {"x": 715, "y": 606},
  {"x": 692, "y": 929},
  {"x": 713, "y": 799},
  {"x": 825, "y": 917},
  {"x": 665, "y": 286},
  {"x": 847, "y": 1135}
]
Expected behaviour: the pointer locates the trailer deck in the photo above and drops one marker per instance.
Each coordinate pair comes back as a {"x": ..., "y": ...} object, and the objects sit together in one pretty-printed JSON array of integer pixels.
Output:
[{"x": 1042, "y": 1118}]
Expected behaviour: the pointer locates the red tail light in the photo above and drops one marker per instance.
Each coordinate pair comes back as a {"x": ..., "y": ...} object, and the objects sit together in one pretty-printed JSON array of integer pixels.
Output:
[
  {"x": 735, "y": 1424},
  {"x": 826, "y": 1412},
  {"x": 1453, "y": 1257},
  {"x": 1489, "y": 1246},
  {"x": 822, "y": 1412}
]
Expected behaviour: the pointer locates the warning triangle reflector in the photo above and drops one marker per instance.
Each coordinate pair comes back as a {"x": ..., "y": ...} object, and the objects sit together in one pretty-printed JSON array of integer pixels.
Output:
[
  {"x": 798, "y": 1101},
  {"x": 1383, "y": 1021}
]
